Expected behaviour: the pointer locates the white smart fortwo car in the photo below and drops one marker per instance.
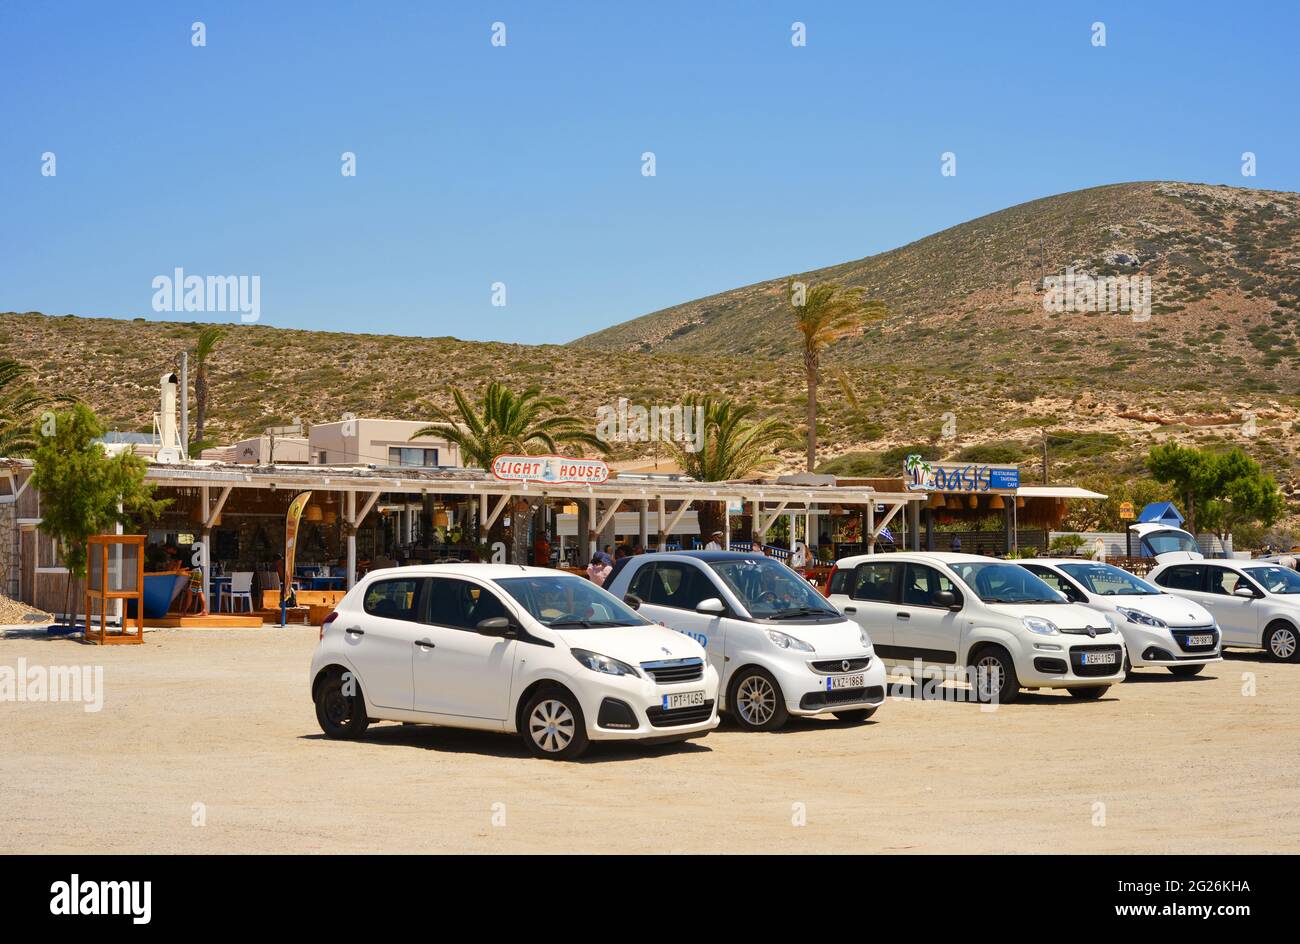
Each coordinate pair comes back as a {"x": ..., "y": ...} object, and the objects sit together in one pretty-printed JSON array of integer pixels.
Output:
[
  {"x": 495, "y": 647},
  {"x": 1159, "y": 628},
  {"x": 778, "y": 647}
]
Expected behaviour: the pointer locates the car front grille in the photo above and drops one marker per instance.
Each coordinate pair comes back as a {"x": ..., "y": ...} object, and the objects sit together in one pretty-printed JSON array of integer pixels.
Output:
[
  {"x": 834, "y": 666},
  {"x": 1087, "y": 671},
  {"x": 674, "y": 717},
  {"x": 1101, "y": 630},
  {"x": 844, "y": 696},
  {"x": 672, "y": 671},
  {"x": 1182, "y": 633}
]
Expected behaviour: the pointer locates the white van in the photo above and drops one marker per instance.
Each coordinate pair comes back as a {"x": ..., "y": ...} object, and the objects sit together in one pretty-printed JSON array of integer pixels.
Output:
[
  {"x": 778, "y": 647},
  {"x": 991, "y": 615}
]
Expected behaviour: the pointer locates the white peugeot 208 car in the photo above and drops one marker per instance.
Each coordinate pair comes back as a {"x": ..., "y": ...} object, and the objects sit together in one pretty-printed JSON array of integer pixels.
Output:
[
  {"x": 1255, "y": 603},
  {"x": 1159, "y": 628},
  {"x": 779, "y": 648},
  {"x": 967, "y": 612},
  {"x": 495, "y": 647}
]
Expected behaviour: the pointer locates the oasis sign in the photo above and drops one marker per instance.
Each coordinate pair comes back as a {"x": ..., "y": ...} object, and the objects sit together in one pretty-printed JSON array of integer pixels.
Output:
[
  {"x": 959, "y": 477},
  {"x": 554, "y": 469}
]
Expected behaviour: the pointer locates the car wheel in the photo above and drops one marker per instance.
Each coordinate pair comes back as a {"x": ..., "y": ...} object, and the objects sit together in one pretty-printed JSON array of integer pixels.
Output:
[
  {"x": 1280, "y": 641},
  {"x": 553, "y": 725},
  {"x": 340, "y": 707},
  {"x": 856, "y": 715},
  {"x": 1186, "y": 671},
  {"x": 995, "y": 677},
  {"x": 756, "y": 701},
  {"x": 1088, "y": 692}
]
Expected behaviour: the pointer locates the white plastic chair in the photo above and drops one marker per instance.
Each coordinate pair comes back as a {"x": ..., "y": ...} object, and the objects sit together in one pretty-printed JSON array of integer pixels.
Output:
[{"x": 241, "y": 587}]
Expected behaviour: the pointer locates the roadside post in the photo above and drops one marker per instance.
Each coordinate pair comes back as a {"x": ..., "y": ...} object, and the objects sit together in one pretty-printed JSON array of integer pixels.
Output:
[{"x": 1126, "y": 514}]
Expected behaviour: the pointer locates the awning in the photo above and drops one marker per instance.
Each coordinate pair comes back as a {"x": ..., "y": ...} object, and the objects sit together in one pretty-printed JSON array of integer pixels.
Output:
[{"x": 1055, "y": 491}]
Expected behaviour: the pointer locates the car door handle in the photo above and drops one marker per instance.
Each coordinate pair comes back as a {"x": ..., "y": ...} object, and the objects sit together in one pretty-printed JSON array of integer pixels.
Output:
[
  {"x": 425, "y": 644},
  {"x": 850, "y": 609},
  {"x": 355, "y": 631},
  {"x": 904, "y": 615}
]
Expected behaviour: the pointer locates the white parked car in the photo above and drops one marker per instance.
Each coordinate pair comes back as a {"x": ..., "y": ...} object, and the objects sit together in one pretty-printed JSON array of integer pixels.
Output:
[
  {"x": 1159, "y": 628},
  {"x": 1256, "y": 604},
  {"x": 525, "y": 650},
  {"x": 1165, "y": 543},
  {"x": 778, "y": 647},
  {"x": 964, "y": 610}
]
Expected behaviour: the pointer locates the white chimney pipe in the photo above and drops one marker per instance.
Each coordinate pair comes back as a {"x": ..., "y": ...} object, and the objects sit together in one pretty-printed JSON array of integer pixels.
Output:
[{"x": 170, "y": 448}]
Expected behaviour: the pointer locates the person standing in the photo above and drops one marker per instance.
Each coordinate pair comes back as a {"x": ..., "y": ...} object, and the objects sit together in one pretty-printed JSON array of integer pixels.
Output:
[
  {"x": 715, "y": 542},
  {"x": 599, "y": 569}
]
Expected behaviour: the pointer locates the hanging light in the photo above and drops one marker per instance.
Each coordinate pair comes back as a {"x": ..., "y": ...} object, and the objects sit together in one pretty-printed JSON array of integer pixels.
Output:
[
  {"x": 314, "y": 514},
  {"x": 974, "y": 501},
  {"x": 1020, "y": 501},
  {"x": 937, "y": 501},
  {"x": 997, "y": 502}
]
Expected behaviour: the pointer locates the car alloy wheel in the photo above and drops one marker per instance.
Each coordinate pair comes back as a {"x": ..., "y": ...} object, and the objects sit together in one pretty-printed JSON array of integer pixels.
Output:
[
  {"x": 756, "y": 700},
  {"x": 988, "y": 678},
  {"x": 336, "y": 706},
  {"x": 1282, "y": 642},
  {"x": 551, "y": 725}
]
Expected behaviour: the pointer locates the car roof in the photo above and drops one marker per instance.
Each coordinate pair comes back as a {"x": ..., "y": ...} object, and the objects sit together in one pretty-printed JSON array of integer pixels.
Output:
[
  {"x": 481, "y": 571},
  {"x": 1058, "y": 561},
  {"x": 706, "y": 556},
  {"x": 943, "y": 557}
]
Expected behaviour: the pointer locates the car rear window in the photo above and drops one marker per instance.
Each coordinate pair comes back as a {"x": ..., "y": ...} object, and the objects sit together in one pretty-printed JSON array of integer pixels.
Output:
[{"x": 392, "y": 599}]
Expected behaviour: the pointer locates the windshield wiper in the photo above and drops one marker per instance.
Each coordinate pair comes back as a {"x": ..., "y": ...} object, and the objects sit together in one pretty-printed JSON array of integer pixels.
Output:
[
  {"x": 803, "y": 611},
  {"x": 589, "y": 624}
]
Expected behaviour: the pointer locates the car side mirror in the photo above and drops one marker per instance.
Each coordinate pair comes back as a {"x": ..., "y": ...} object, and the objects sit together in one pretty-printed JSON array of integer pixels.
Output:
[
  {"x": 496, "y": 626},
  {"x": 632, "y": 600},
  {"x": 712, "y": 607},
  {"x": 946, "y": 598},
  {"x": 1244, "y": 591}
]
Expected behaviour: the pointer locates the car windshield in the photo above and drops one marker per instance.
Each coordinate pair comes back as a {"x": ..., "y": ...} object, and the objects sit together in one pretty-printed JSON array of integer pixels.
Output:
[
  {"x": 771, "y": 590},
  {"x": 1109, "y": 581},
  {"x": 998, "y": 582},
  {"x": 1167, "y": 542},
  {"x": 564, "y": 601},
  {"x": 1275, "y": 579}
]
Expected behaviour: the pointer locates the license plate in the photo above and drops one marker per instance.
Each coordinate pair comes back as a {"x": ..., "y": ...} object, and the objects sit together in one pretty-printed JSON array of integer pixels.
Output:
[
  {"x": 836, "y": 682},
  {"x": 1100, "y": 658},
  {"x": 683, "y": 700},
  {"x": 1200, "y": 640}
]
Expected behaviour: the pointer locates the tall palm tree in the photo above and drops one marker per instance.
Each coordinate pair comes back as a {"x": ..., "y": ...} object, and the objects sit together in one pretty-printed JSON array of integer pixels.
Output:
[
  {"x": 508, "y": 422},
  {"x": 734, "y": 445},
  {"x": 824, "y": 314},
  {"x": 505, "y": 421},
  {"x": 19, "y": 404},
  {"x": 203, "y": 347}
]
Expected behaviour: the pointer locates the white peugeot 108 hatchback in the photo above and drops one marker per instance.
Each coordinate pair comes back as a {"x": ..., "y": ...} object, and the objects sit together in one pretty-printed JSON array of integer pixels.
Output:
[
  {"x": 1159, "y": 628},
  {"x": 525, "y": 650},
  {"x": 966, "y": 612},
  {"x": 779, "y": 648}
]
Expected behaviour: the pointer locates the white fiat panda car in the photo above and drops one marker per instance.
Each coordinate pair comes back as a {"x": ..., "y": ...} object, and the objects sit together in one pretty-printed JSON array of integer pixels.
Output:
[
  {"x": 1159, "y": 628},
  {"x": 1255, "y": 603},
  {"x": 526, "y": 650},
  {"x": 778, "y": 647},
  {"x": 963, "y": 610}
]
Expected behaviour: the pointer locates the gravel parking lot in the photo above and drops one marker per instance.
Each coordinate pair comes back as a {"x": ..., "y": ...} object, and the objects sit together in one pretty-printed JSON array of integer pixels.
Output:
[{"x": 207, "y": 742}]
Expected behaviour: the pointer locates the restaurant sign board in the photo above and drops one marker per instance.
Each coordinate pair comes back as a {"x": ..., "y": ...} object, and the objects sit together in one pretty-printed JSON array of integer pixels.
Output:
[
  {"x": 549, "y": 469},
  {"x": 959, "y": 476}
]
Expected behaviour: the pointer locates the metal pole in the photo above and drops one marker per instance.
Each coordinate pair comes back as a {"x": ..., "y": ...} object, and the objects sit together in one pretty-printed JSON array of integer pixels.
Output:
[{"x": 185, "y": 405}]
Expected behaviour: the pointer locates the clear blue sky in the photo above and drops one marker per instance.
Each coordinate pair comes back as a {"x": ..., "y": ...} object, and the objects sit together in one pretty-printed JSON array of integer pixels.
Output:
[{"x": 522, "y": 164}]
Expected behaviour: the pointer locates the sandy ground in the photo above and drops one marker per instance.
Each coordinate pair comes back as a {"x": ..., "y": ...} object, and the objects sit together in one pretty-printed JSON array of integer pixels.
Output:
[{"x": 222, "y": 718}]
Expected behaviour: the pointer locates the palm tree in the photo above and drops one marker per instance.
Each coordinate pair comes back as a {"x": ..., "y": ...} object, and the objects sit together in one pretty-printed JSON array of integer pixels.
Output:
[
  {"x": 19, "y": 404},
  {"x": 504, "y": 422},
  {"x": 734, "y": 445},
  {"x": 824, "y": 314},
  {"x": 508, "y": 422},
  {"x": 203, "y": 346}
]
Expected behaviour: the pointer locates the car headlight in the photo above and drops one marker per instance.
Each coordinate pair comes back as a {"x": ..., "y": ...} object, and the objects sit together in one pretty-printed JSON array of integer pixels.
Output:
[
  {"x": 1036, "y": 624},
  {"x": 864, "y": 639},
  {"x": 598, "y": 663},
  {"x": 1142, "y": 619},
  {"x": 788, "y": 642}
]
